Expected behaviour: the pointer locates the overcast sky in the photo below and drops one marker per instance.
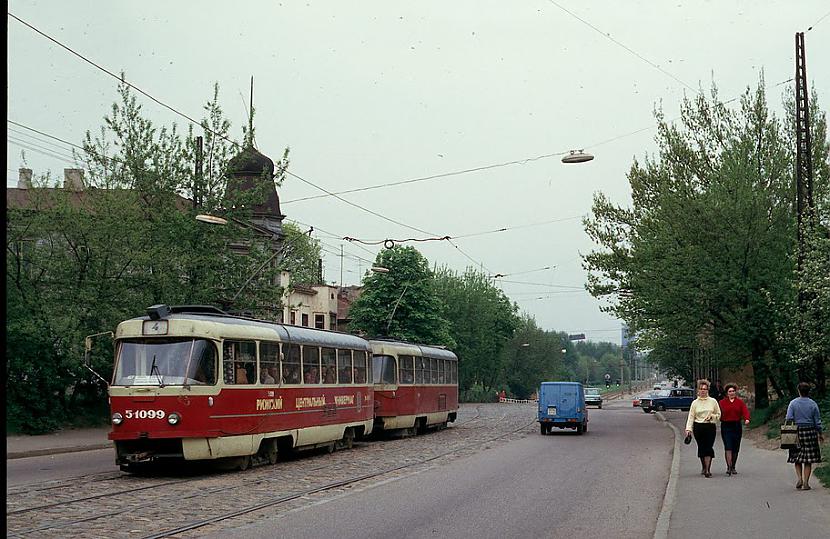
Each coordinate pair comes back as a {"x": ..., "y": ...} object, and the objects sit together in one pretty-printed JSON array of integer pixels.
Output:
[{"x": 367, "y": 93}]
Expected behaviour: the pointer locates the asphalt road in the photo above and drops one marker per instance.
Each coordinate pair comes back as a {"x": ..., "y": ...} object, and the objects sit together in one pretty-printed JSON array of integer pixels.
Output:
[
  {"x": 63, "y": 466},
  {"x": 607, "y": 483}
]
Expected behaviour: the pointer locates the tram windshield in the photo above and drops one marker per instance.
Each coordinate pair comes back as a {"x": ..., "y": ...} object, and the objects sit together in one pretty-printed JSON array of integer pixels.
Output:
[
  {"x": 165, "y": 362},
  {"x": 384, "y": 369}
]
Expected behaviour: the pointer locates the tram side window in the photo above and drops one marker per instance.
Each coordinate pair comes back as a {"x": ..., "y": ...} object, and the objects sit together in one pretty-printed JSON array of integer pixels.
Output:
[
  {"x": 433, "y": 370},
  {"x": 419, "y": 370},
  {"x": 359, "y": 367},
  {"x": 291, "y": 364},
  {"x": 406, "y": 366},
  {"x": 344, "y": 366},
  {"x": 454, "y": 366},
  {"x": 328, "y": 358},
  {"x": 239, "y": 362},
  {"x": 383, "y": 369},
  {"x": 311, "y": 365},
  {"x": 269, "y": 357},
  {"x": 203, "y": 364}
]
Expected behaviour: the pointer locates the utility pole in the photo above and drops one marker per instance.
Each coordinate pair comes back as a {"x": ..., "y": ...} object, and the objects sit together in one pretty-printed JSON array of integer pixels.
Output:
[
  {"x": 341, "y": 265},
  {"x": 804, "y": 190},
  {"x": 197, "y": 173},
  {"x": 804, "y": 169}
]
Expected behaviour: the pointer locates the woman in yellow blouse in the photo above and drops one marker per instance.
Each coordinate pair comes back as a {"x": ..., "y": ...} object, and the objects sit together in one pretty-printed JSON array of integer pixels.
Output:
[{"x": 704, "y": 413}]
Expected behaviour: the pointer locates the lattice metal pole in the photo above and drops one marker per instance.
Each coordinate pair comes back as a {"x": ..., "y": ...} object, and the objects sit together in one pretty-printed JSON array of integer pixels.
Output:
[{"x": 804, "y": 169}]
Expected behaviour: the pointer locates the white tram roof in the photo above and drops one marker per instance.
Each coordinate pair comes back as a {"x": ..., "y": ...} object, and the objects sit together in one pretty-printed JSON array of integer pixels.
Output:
[
  {"x": 232, "y": 327},
  {"x": 383, "y": 346}
]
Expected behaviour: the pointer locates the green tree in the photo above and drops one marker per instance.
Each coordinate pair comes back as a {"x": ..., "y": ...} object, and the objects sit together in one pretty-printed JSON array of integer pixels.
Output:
[
  {"x": 302, "y": 253},
  {"x": 807, "y": 331},
  {"x": 481, "y": 322},
  {"x": 401, "y": 303},
  {"x": 705, "y": 253},
  {"x": 79, "y": 262}
]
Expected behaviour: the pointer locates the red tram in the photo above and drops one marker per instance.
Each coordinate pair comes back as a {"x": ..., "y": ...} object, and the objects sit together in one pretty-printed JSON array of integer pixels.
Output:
[
  {"x": 199, "y": 384},
  {"x": 416, "y": 386}
]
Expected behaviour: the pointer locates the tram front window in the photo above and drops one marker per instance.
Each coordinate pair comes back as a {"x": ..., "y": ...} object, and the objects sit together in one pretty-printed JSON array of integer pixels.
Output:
[
  {"x": 383, "y": 370},
  {"x": 165, "y": 362}
]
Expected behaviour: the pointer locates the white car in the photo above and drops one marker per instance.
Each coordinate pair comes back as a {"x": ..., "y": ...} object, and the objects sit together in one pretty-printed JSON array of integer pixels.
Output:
[{"x": 593, "y": 397}]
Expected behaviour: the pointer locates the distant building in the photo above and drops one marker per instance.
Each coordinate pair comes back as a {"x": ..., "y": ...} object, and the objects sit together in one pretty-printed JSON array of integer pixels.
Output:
[{"x": 318, "y": 306}]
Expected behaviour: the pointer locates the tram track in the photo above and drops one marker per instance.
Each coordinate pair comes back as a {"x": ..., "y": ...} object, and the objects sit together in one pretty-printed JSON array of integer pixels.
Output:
[
  {"x": 322, "y": 488},
  {"x": 122, "y": 476},
  {"x": 193, "y": 496}
]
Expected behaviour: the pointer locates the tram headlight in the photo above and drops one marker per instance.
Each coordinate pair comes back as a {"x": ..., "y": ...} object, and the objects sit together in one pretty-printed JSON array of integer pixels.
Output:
[
  {"x": 117, "y": 418},
  {"x": 174, "y": 418}
]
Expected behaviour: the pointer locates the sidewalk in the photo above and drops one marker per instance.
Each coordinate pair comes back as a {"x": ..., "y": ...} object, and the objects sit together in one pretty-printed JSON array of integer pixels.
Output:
[
  {"x": 65, "y": 441},
  {"x": 761, "y": 501}
]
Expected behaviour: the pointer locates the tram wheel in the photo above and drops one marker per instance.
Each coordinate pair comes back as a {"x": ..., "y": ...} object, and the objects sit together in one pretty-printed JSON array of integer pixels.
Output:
[
  {"x": 348, "y": 439},
  {"x": 244, "y": 463},
  {"x": 268, "y": 451}
]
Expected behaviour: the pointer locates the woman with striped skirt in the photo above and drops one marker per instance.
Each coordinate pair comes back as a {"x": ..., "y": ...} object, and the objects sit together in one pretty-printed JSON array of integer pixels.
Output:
[{"x": 804, "y": 412}]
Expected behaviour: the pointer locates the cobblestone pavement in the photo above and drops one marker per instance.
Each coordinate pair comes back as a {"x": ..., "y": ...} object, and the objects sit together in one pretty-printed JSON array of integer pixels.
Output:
[{"x": 119, "y": 505}]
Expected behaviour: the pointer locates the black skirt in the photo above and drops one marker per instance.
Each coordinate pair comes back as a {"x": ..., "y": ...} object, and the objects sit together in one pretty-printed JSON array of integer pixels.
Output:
[
  {"x": 705, "y": 438},
  {"x": 730, "y": 433}
]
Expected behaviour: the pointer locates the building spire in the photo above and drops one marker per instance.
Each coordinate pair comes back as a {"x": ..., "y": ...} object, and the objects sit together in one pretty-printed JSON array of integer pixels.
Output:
[{"x": 249, "y": 134}]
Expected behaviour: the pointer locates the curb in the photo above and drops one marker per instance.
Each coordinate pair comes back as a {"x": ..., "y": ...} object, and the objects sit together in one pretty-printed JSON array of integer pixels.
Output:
[
  {"x": 661, "y": 531},
  {"x": 55, "y": 451}
]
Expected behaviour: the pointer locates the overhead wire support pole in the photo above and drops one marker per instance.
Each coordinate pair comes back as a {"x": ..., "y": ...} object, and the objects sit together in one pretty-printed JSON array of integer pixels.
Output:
[
  {"x": 804, "y": 169},
  {"x": 804, "y": 199}
]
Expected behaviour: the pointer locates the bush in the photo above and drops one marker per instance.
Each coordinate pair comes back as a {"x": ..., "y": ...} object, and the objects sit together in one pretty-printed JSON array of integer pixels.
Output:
[
  {"x": 822, "y": 472},
  {"x": 478, "y": 394}
]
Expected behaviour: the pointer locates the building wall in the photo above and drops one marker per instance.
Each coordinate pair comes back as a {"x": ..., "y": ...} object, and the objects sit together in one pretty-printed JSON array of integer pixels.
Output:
[{"x": 314, "y": 306}]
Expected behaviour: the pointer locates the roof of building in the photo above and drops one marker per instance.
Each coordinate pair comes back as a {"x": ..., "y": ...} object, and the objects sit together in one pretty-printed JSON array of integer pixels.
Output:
[{"x": 252, "y": 170}]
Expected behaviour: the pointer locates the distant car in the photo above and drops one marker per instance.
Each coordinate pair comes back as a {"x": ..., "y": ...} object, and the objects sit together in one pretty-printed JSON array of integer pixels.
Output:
[
  {"x": 677, "y": 398},
  {"x": 593, "y": 397},
  {"x": 641, "y": 396}
]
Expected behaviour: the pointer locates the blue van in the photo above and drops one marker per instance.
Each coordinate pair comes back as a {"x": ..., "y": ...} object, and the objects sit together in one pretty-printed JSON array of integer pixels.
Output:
[{"x": 562, "y": 405}]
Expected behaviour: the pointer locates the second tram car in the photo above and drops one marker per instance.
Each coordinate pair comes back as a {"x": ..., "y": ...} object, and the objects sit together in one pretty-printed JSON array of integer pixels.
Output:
[
  {"x": 415, "y": 386},
  {"x": 199, "y": 384}
]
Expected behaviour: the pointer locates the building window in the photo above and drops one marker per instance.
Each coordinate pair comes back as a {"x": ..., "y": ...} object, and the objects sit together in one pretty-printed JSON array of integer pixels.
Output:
[
  {"x": 320, "y": 321},
  {"x": 305, "y": 320},
  {"x": 293, "y": 318}
]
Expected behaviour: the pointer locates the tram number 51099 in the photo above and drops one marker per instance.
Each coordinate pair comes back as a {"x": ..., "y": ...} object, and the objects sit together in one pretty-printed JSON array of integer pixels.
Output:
[{"x": 144, "y": 414}]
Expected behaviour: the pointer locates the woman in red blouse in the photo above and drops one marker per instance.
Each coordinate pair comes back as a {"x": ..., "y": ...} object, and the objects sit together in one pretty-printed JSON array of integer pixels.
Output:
[{"x": 733, "y": 410}]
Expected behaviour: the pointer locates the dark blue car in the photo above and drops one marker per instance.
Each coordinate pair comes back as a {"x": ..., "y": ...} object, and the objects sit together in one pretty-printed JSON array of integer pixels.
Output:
[{"x": 676, "y": 398}]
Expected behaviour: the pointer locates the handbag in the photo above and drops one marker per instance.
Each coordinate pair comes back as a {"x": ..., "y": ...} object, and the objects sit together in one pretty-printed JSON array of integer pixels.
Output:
[
  {"x": 789, "y": 435},
  {"x": 688, "y": 439}
]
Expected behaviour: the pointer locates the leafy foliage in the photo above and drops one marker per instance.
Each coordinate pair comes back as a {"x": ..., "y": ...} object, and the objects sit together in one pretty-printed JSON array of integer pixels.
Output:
[
  {"x": 78, "y": 263},
  {"x": 401, "y": 303},
  {"x": 481, "y": 322},
  {"x": 705, "y": 255}
]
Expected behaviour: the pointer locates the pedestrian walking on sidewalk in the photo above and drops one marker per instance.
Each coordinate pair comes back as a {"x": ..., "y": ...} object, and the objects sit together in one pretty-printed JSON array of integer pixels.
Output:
[
  {"x": 704, "y": 413},
  {"x": 805, "y": 413},
  {"x": 733, "y": 411}
]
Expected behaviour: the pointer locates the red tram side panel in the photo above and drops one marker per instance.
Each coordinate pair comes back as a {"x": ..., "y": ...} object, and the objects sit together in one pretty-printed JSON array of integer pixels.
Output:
[
  {"x": 415, "y": 386},
  {"x": 205, "y": 386}
]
